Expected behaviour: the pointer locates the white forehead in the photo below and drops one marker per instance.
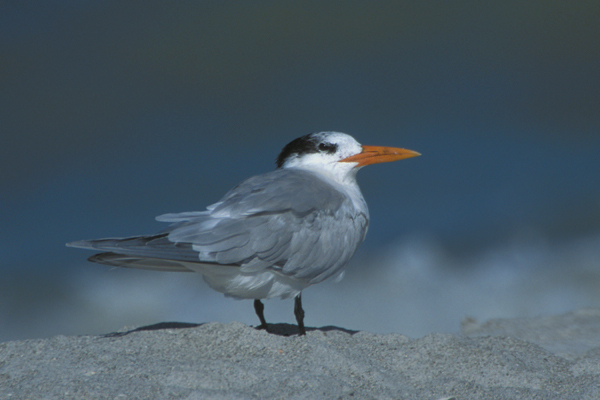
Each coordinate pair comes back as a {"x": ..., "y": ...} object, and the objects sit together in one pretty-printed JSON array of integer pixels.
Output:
[
  {"x": 320, "y": 151},
  {"x": 347, "y": 145}
]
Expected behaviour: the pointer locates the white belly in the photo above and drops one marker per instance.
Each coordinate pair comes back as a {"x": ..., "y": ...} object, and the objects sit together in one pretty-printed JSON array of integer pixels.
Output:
[{"x": 232, "y": 281}]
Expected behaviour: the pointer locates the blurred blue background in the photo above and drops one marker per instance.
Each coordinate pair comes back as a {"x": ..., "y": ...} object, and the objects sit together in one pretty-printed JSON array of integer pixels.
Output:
[{"x": 114, "y": 113}]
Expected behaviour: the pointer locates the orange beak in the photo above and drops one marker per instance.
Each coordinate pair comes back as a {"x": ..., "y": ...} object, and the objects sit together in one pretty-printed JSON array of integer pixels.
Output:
[{"x": 378, "y": 154}]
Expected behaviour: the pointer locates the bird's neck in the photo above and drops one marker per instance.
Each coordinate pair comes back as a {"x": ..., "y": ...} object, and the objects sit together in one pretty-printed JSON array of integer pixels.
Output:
[
  {"x": 341, "y": 173},
  {"x": 344, "y": 180}
]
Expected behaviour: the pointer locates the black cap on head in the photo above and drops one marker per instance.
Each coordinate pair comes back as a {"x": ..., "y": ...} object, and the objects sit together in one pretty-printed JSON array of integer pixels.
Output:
[{"x": 311, "y": 143}]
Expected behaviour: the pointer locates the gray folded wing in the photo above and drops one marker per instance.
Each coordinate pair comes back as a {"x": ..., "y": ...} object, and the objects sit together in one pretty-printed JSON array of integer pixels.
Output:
[{"x": 288, "y": 220}]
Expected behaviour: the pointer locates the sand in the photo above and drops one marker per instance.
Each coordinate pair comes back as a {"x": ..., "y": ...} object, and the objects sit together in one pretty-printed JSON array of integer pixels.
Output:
[{"x": 540, "y": 358}]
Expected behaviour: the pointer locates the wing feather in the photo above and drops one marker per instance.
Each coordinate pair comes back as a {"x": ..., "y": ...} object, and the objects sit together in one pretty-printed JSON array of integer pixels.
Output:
[
  {"x": 156, "y": 246},
  {"x": 291, "y": 221}
]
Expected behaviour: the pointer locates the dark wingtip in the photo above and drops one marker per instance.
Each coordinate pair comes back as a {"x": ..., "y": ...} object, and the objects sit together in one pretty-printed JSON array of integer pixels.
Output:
[{"x": 80, "y": 244}]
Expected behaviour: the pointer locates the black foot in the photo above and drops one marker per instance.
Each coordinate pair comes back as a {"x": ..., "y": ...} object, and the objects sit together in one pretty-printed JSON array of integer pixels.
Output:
[
  {"x": 299, "y": 313},
  {"x": 259, "y": 307}
]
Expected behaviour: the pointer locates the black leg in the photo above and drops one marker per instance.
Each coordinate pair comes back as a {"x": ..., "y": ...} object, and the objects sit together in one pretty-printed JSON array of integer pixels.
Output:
[
  {"x": 299, "y": 313},
  {"x": 259, "y": 307}
]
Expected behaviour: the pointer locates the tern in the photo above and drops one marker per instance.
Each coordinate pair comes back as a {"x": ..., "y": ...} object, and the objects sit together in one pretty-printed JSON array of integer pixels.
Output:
[{"x": 272, "y": 235}]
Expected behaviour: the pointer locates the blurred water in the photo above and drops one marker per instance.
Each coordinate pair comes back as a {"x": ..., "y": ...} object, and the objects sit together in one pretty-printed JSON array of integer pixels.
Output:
[{"x": 413, "y": 287}]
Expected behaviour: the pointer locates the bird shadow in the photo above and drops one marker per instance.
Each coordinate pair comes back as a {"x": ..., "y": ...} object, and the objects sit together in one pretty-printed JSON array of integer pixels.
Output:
[
  {"x": 154, "y": 327},
  {"x": 274, "y": 329}
]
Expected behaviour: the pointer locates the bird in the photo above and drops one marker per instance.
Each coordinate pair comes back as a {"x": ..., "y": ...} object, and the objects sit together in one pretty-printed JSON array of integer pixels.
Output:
[{"x": 272, "y": 235}]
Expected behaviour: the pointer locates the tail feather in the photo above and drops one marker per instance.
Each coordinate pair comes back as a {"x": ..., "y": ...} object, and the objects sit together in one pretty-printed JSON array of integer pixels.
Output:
[
  {"x": 155, "y": 264},
  {"x": 151, "y": 247}
]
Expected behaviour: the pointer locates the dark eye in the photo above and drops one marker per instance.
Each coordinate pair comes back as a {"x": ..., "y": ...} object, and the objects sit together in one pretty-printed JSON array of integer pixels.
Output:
[{"x": 327, "y": 147}]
